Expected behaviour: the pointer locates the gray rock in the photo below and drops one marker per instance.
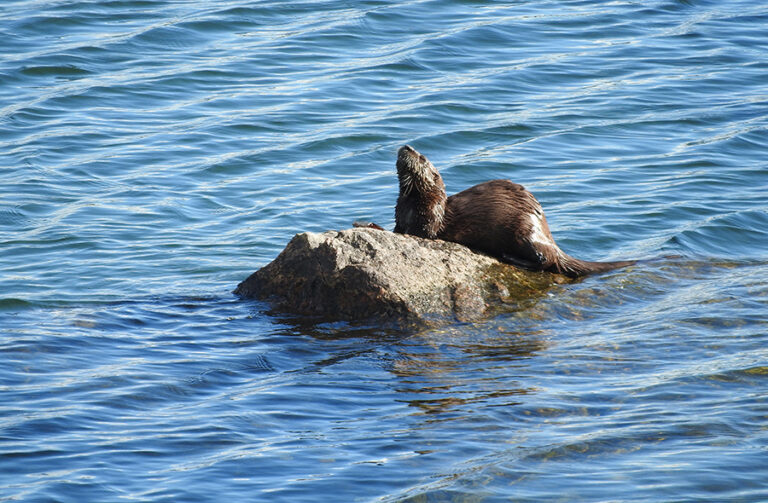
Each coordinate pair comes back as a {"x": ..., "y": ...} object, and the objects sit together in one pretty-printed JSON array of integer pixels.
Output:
[{"x": 363, "y": 274}]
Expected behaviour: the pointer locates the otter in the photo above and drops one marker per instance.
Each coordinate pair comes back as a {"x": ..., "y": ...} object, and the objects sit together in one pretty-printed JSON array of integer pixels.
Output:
[{"x": 499, "y": 217}]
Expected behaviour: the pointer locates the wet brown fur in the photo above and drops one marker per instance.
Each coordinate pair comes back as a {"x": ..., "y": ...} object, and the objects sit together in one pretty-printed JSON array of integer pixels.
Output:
[
  {"x": 420, "y": 209},
  {"x": 498, "y": 217}
]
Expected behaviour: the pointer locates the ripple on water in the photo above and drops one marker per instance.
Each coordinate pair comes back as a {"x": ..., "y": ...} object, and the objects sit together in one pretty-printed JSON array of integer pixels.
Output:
[{"x": 157, "y": 152}]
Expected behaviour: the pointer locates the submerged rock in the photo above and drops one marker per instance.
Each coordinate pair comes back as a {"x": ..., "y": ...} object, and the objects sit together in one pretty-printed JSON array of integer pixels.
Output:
[{"x": 363, "y": 274}]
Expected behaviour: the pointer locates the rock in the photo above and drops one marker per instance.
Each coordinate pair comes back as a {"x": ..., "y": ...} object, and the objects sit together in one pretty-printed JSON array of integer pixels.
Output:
[{"x": 363, "y": 274}]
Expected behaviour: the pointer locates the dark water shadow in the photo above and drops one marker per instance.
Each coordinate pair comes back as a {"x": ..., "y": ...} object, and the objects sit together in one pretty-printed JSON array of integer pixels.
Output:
[{"x": 467, "y": 369}]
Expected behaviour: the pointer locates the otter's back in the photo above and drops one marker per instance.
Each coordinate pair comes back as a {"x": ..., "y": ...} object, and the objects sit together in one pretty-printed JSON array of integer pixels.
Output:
[{"x": 497, "y": 217}]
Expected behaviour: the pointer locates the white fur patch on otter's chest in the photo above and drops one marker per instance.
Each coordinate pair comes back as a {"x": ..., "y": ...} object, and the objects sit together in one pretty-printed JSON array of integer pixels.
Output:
[{"x": 438, "y": 212}]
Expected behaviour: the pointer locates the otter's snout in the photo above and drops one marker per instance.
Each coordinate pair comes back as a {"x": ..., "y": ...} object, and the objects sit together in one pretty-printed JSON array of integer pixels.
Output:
[{"x": 406, "y": 150}]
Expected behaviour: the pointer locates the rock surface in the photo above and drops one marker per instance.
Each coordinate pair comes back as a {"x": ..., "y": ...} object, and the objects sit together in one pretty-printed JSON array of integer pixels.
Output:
[{"x": 362, "y": 274}]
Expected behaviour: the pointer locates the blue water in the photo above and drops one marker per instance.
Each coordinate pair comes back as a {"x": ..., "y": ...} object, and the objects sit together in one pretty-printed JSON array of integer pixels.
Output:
[{"x": 155, "y": 153}]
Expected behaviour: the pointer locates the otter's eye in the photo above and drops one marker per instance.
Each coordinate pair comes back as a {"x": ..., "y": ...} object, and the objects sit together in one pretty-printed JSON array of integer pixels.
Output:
[{"x": 422, "y": 158}]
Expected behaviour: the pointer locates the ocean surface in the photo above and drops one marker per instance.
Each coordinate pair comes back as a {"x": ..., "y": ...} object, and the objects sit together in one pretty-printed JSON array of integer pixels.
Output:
[{"x": 155, "y": 153}]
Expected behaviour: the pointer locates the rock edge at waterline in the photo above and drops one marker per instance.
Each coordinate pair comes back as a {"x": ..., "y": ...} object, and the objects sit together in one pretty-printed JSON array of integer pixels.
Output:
[{"x": 367, "y": 274}]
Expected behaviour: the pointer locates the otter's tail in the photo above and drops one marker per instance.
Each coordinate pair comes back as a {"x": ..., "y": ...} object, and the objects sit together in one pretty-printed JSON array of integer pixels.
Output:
[{"x": 573, "y": 267}]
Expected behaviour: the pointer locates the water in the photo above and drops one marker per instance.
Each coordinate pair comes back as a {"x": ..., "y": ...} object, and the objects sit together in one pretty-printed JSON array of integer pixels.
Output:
[{"x": 156, "y": 153}]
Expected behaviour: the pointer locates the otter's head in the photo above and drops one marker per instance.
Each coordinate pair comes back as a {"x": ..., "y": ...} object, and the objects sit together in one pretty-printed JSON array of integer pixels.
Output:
[
  {"x": 416, "y": 173},
  {"x": 420, "y": 209}
]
